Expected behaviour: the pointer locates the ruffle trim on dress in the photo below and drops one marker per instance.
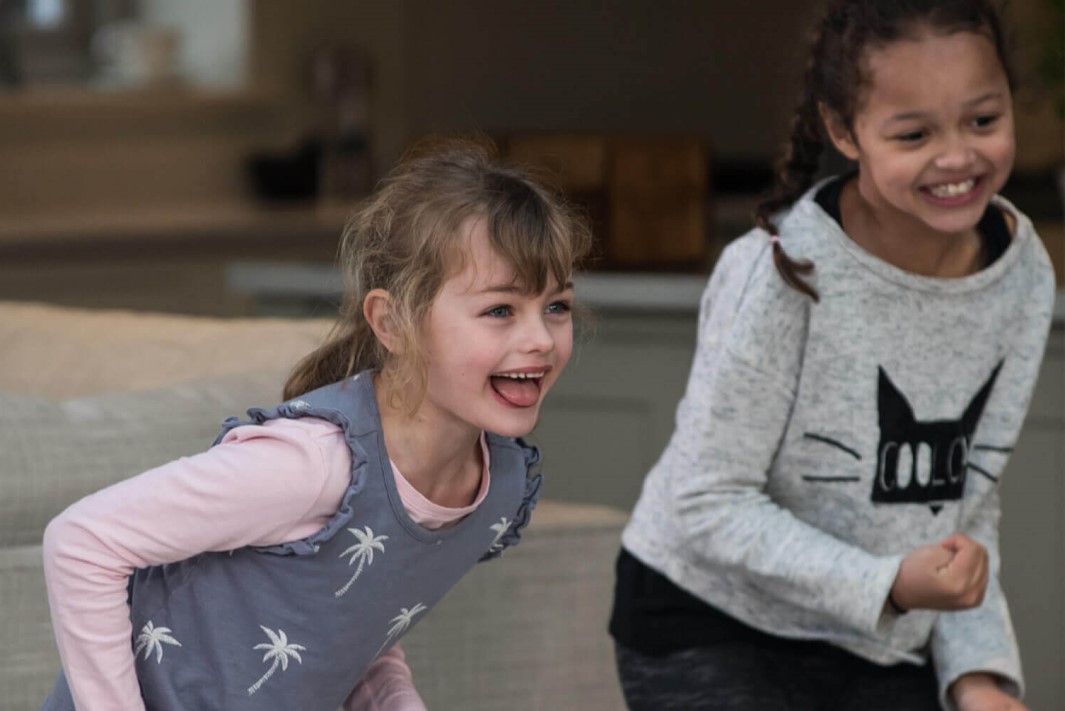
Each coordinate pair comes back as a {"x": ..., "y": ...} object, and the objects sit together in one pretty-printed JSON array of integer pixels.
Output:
[
  {"x": 293, "y": 409},
  {"x": 533, "y": 483}
]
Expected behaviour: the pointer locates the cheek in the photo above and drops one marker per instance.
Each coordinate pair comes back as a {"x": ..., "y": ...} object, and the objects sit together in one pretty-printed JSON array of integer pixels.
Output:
[
  {"x": 1001, "y": 151},
  {"x": 883, "y": 167},
  {"x": 564, "y": 345},
  {"x": 900, "y": 170}
]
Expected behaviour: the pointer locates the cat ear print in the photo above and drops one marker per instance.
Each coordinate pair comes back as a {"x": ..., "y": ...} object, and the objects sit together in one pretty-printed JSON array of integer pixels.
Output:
[
  {"x": 976, "y": 406},
  {"x": 891, "y": 402}
]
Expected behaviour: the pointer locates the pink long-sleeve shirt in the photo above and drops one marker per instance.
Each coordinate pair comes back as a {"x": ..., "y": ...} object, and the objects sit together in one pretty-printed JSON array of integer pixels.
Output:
[{"x": 262, "y": 485}]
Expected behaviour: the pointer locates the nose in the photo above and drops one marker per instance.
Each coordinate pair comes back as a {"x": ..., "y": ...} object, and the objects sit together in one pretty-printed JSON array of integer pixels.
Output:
[
  {"x": 957, "y": 154},
  {"x": 536, "y": 335}
]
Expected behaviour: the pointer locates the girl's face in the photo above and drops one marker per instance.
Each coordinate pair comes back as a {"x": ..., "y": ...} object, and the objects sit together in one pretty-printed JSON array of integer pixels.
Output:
[
  {"x": 933, "y": 136},
  {"x": 493, "y": 350}
]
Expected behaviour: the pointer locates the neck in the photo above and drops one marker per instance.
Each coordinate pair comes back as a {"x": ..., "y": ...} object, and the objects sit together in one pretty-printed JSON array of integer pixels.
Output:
[
  {"x": 904, "y": 241},
  {"x": 441, "y": 459}
]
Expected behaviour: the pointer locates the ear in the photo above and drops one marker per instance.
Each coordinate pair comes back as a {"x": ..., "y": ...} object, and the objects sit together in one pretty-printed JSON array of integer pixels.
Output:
[
  {"x": 838, "y": 132},
  {"x": 377, "y": 309}
]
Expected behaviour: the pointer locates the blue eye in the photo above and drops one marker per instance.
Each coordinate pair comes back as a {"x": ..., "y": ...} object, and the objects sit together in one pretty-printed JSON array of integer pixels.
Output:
[
  {"x": 558, "y": 307},
  {"x": 498, "y": 312}
]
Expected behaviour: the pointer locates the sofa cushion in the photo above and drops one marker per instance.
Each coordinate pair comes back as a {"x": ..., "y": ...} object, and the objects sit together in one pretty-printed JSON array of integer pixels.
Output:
[
  {"x": 54, "y": 453},
  {"x": 59, "y": 352},
  {"x": 28, "y": 658}
]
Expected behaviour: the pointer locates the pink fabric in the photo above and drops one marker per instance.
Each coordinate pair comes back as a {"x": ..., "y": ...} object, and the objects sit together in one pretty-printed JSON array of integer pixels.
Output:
[
  {"x": 434, "y": 516},
  {"x": 262, "y": 485}
]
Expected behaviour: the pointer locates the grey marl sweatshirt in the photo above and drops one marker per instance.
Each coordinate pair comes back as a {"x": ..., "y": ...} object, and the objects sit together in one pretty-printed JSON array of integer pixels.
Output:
[{"x": 819, "y": 443}]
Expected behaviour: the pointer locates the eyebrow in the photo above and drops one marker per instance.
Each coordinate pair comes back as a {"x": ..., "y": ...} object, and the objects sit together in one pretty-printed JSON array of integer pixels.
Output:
[
  {"x": 910, "y": 115},
  {"x": 515, "y": 289}
]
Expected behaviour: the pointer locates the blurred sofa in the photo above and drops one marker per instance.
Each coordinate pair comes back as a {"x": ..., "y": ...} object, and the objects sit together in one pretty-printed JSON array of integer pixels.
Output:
[{"x": 90, "y": 397}]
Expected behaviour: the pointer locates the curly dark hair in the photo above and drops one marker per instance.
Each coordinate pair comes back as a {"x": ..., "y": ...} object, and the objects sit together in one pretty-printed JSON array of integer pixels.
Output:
[{"x": 835, "y": 79}]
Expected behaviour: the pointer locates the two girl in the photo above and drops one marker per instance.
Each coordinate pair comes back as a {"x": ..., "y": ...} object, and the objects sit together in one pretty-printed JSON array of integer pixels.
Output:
[
  {"x": 279, "y": 569},
  {"x": 821, "y": 530}
]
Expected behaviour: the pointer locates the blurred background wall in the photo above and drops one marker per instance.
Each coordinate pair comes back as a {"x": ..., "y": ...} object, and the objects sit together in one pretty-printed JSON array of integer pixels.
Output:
[{"x": 127, "y": 127}]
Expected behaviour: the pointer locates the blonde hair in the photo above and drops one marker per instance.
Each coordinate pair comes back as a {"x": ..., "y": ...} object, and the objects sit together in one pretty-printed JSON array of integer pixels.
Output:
[{"x": 406, "y": 240}]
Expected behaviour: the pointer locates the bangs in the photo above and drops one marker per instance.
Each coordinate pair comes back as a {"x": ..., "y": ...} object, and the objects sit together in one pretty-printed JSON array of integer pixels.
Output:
[
  {"x": 530, "y": 236},
  {"x": 536, "y": 234}
]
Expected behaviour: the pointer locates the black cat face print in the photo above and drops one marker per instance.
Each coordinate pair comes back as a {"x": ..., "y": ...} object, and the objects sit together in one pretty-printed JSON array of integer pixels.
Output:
[
  {"x": 923, "y": 461},
  {"x": 919, "y": 461}
]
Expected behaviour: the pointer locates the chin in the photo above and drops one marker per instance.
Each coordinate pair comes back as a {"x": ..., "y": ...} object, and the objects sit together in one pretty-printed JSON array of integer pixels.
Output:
[
  {"x": 512, "y": 432},
  {"x": 514, "y": 429},
  {"x": 957, "y": 226}
]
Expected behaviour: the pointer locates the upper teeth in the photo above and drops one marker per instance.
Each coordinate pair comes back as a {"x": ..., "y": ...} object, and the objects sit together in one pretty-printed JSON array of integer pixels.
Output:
[
  {"x": 953, "y": 189},
  {"x": 521, "y": 376}
]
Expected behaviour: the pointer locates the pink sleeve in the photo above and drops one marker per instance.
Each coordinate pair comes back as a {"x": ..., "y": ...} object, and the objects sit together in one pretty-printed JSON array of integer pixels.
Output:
[
  {"x": 386, "y": 686},
  {"x": 261, "y": 486}
]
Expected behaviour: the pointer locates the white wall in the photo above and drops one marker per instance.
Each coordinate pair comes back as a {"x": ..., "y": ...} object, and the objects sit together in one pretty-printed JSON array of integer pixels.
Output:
[{"x": 214, "y": 38}]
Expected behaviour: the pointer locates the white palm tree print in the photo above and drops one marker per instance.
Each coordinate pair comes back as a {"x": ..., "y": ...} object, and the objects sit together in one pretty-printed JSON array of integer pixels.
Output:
[
  {"x": 361, "y": 552},
  {"x": 500, "y": 528},
  {"x": 153, "y": 638},
  {"x": 279, "y": 650},
  {"x": 400, "y": 623}
]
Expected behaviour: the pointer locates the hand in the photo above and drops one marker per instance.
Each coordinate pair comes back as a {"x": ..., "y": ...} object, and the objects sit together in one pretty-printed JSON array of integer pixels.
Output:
[
  {"x": 951, "y": 575},
  {"x": 980, "y": 692}
]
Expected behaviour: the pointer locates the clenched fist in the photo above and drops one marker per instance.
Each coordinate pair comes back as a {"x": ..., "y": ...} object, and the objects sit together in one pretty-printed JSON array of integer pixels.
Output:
[{"x": 950, "y": 575}]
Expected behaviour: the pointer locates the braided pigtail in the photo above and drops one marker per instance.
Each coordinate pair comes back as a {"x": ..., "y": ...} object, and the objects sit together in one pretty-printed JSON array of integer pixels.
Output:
[
  {"x": 794, "y": 176},
  {"x": 835, "y": 79}
]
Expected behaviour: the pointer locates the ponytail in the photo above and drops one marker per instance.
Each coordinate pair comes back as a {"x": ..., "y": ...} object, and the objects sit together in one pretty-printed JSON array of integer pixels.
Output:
[
  {"x": 337, "y": 358},
  {"x": 794, "y": 176}
]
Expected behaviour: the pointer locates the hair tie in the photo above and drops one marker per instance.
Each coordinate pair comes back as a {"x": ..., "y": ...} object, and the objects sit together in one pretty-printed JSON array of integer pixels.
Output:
[{"x": 774, "y": 239}]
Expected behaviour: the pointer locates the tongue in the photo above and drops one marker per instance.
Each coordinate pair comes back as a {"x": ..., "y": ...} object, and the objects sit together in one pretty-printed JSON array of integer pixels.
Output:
[{"x": 521, "y": 393}]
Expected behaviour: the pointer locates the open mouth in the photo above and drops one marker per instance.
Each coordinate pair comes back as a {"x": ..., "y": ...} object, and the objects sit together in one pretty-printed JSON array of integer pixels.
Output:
[
  {"x": 520, "y": 389},
  {"x": 956, "y": 192}
]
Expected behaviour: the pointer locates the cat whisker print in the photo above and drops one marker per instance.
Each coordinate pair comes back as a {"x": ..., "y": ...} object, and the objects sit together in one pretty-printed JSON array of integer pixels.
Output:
[
  {"x": 923, "y": 461},
  {"x": 838, "y": 445},
  {"x": 918, "y": 461},
  {"x": 832, "y": 442},
  {"x": 989, "y": 448},
  {"x": 982, "y": 472},
  {"x": 1004, "y": 451}
]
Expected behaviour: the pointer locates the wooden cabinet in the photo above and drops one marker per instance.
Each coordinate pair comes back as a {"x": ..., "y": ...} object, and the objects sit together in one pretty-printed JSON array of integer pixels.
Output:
[{"x": 644, "y": 195}]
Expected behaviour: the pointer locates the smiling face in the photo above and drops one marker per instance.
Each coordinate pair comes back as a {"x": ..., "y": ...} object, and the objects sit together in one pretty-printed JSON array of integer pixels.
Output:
[
  {"x": 933, "y": 134},
  {"x": 493, "y": 350}
]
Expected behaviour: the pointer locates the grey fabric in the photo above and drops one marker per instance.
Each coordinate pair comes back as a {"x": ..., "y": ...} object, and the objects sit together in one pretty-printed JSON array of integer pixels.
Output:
[
  {"x": 28, "y": 657},
  {"x": 54, "y": 453},
  {"x": 781, "y": 498}
]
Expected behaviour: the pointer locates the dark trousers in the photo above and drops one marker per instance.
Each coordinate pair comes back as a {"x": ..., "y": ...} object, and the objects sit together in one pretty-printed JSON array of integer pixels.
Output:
[{"x": 771, "y": 674}]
